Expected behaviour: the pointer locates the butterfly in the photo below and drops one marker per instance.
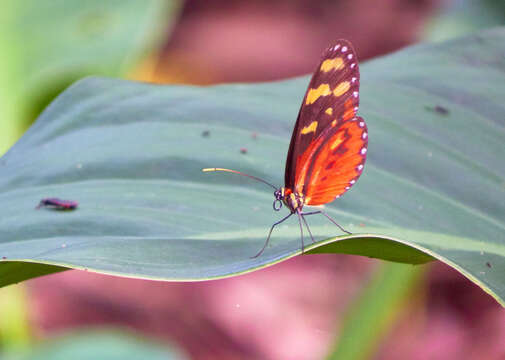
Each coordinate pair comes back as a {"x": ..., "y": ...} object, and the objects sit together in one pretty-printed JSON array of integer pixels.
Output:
[{"x": 328, "y": 146}]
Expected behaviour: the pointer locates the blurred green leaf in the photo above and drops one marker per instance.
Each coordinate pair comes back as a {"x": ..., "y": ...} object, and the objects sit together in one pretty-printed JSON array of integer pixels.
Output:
[
  {"x": 15, "y": 331},
  {"x": 96, "y": 344},
  {"x": 372, "y": 316},
  {"x": 464, "y": 17},
  {"x": 47, "y": 45},
  {"x": 131, "y": 154}
]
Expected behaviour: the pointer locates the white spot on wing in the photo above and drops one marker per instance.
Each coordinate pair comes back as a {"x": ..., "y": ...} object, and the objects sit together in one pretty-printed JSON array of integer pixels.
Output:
[
  {"x": 355, "y": 94},
  {"x": 336, "y": 47},
  {"x": 353, "y": 65},
  {"x": 361, "y": 124},
  {"x": 353, "y": 80},
  {"x": 349, "y": 56},
  {"x": 363, "y": 151},
  {"x": 352, "y": 182},
  {"x": 344, "y": 48},
  {"x": 364, "y": 135},
  {"x": 360, "y": 167}
]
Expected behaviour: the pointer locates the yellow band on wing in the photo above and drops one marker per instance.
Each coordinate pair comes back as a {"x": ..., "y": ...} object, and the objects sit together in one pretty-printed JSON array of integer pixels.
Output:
[
  {"x": 309, "y": 128},
  {"x": 314, "y": 94}
]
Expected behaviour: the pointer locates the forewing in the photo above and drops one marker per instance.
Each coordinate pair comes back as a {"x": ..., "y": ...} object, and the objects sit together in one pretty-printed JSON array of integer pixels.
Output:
[
  {"x": 332, "y": 95},
  {"x": 332, "y": 164}
]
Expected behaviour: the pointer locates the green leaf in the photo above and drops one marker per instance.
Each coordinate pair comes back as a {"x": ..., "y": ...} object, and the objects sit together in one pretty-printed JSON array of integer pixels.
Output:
[
  {"x": 131, "y": 154},
  {"x": 464, "y": 17},
  {"x": 15, "y": 331},
  {"x": 373, "y": 315},
  {"x": 106, "y": 344},
  {"x": 47, "y": 45}
]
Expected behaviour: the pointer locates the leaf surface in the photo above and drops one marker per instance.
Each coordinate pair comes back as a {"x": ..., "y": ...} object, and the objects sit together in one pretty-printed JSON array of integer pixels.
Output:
[{"x": 132, "y": 154}]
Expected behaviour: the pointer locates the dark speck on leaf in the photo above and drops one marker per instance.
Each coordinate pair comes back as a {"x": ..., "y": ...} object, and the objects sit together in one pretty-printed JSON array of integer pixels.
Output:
[
  {"x": 243, "y": 150},
  {"x": 57, "y": 204},
  {"x": 438, "y": 109},
  {"x": 206, "y": 133},
  {"x": 488, "y": 264},
  {"x": 441, "y": 110}
]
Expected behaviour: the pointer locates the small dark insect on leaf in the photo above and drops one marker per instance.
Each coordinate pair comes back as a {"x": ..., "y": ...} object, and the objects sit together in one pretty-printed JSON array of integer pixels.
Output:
[
  {"x": 205, "y": 133},
  {"x": 441, "y": 110},
  {"x": 438, "y": 109},
  {"x": 243, "y": 150},
  {"x": 488, "y": 264},
  {"x": 57, "y": 204}
]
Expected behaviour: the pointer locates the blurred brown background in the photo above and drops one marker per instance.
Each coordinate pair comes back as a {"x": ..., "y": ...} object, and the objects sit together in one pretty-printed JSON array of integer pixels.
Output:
[
  {"x": 281, "y": 312},
  {"x": 230, "y": 41}
]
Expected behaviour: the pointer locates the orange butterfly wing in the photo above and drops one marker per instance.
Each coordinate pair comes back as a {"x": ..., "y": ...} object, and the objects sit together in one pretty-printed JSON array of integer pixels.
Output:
[
  {"x": 332, "y": 95},
  {"x": 333, "y": 163}
]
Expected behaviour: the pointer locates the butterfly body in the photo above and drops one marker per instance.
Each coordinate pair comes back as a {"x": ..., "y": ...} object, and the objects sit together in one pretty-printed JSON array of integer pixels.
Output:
[
  {"x": 294, "y": 201},
  {"x": 329, "y": 142}
]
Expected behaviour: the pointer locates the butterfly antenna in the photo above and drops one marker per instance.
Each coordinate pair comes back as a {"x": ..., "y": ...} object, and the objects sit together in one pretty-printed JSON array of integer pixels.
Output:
[{"x": 240, "y": 173}]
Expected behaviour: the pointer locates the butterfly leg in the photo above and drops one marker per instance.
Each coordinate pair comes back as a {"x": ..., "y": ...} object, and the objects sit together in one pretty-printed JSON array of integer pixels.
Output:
[
  {"x": 307, "y": 226},
  {"x": 329, "y": 218},
  {"x": 333, "y": 221},
  {"x": 301, "y": 228},
  {"x": 270, "y": 233}
]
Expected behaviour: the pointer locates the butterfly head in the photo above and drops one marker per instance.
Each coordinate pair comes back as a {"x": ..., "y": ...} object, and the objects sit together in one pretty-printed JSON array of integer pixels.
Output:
[{"x": 279, "y": 199}]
